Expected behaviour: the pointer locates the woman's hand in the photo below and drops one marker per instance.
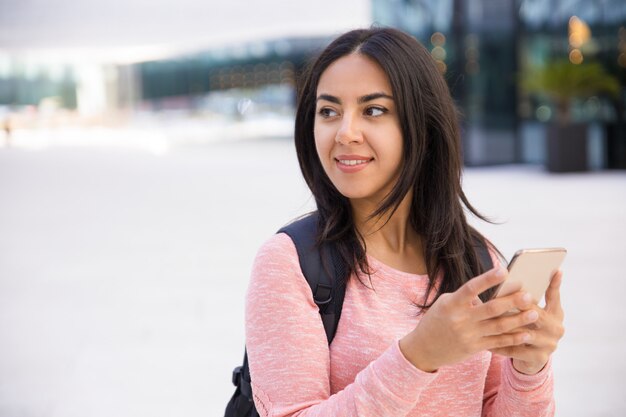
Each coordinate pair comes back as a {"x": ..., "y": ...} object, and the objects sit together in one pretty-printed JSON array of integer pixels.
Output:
[
  {"x": 545, "y": 333},
  {"x": 458, "y": 325}
]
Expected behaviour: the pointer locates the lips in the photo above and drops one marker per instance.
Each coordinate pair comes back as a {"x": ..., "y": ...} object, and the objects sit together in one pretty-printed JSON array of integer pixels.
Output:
[{"x": 352, "y": 163}]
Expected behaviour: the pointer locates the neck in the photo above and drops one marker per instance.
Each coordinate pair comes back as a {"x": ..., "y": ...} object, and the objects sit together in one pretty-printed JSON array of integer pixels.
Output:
[{"x": 387, "y": 232}]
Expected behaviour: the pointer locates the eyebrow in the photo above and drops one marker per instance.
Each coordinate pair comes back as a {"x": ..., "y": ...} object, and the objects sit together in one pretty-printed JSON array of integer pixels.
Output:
[{"x": 360, "y": 100}]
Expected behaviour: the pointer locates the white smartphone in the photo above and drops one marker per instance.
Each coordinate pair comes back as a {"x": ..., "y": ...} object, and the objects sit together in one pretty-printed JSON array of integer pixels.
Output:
[{"x": 532, "y": 270}]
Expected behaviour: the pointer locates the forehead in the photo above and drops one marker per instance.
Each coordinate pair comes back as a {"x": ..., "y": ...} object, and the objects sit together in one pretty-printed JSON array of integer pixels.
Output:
[{"x": 353, "y": 74}]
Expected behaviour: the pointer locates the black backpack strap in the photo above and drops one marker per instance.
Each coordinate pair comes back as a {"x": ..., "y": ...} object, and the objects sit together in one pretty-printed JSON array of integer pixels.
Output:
[
  {"x": 322, "y": 270},
  {"x": 241, "y": 403}
]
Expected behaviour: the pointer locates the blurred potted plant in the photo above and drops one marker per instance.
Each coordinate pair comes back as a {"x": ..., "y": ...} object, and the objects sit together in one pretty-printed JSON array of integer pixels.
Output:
[{"x": 561, "y": 82}]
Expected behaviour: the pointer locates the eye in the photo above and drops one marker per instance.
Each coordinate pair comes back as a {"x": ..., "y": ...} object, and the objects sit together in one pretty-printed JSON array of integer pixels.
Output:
[
  {"x": 326, "y": 112},
  {"x": 375, "y": 111}
]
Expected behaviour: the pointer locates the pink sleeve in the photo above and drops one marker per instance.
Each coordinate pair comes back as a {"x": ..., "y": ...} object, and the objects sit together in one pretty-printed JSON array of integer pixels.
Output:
[
  {"x": 289, "y": 357},
  {"x": 508, "y": 392}
]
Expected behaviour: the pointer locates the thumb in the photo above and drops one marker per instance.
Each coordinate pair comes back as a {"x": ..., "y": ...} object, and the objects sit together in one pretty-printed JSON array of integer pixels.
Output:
[{"x": 553, "y": 293}]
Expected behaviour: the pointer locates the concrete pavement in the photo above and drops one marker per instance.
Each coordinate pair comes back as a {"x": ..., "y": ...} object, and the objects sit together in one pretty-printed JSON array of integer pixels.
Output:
[{"x": 123, "y": 272}]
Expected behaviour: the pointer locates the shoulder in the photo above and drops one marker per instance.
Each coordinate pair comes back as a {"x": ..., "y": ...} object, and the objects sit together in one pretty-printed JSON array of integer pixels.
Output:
[
  {"x": 277, "y": 252},
  {"x": 276, "y": 271}
]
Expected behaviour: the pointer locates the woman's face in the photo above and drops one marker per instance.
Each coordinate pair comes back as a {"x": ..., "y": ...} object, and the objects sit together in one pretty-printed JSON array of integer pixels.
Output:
[{"x": 357, "y": 132}]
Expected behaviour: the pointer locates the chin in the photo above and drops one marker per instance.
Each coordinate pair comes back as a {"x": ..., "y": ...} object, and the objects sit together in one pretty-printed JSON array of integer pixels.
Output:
[{"x": 353, "y": 193}]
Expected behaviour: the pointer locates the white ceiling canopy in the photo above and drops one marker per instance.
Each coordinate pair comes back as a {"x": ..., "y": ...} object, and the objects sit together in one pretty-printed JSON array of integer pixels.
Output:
[{"x": 132, "y": 26}]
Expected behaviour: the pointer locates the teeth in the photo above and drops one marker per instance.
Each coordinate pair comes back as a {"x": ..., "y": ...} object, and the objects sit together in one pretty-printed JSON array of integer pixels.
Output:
[{"x": 352, "y": 161}]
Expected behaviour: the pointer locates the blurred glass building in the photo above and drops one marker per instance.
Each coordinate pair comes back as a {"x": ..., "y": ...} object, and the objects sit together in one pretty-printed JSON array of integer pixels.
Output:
[
  {"x": 486, "y": 47},
  {"x": 222, "y": 80}
]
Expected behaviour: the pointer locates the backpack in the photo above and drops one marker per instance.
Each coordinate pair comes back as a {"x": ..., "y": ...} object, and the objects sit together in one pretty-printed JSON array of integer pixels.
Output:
[{"x": 325, "y": 273}]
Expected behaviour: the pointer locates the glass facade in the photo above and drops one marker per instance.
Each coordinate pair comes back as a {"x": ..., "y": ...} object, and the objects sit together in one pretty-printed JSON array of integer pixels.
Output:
[
  {"x": 486, "y": 47},
  {"x": 26, "y": 82},
  {"x": 245, "y": 67}
]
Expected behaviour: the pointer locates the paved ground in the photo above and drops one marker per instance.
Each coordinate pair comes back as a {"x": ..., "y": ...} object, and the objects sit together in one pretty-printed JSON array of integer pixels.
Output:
[{"x": 122, "y": 272}]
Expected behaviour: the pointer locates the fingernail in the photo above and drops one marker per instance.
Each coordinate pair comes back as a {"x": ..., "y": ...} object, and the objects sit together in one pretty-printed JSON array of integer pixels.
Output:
[
  {"x": 500, "y": 272},
  {"x": 532, "y": 315},
  {"x": 527, "y": 298}
]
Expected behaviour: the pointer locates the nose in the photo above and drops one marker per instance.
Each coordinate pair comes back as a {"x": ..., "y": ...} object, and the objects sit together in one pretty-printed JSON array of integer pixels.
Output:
[{"x": 349, "y": 130}]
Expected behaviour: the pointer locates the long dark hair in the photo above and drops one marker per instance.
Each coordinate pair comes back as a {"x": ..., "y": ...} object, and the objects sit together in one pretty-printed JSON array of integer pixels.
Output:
[{"x": 431, "y": 161}]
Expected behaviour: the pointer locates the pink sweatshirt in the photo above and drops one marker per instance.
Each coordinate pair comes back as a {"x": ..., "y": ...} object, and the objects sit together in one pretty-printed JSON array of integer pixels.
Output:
[{"x": 364, "y": 373}]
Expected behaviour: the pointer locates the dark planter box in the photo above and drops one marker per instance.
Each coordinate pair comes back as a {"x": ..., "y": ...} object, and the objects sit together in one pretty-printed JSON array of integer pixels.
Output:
[
  {"x": 616, "y": 145},
  {"x": 566, "y": 147}
]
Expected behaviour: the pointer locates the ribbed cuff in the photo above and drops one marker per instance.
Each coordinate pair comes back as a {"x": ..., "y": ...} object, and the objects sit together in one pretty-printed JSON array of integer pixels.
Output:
[{"x": 523, "y": 382}]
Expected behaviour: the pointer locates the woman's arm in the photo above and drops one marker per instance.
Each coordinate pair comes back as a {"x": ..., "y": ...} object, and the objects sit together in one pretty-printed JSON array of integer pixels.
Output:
[
  {"x": 509, "y": 392},
  {"x": 289, "y": 356}
]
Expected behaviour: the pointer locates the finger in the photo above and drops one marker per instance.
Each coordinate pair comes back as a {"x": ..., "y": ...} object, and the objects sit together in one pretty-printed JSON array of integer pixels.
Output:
[
  {"x": 546, "y": 333},
  {"x": 553, "y": 293},
  {"x": 501, "y": 305},
  {"x": 542, "y": 319},
  {"x": 543, "y": 339},
  {"x": 476, "y": 301},
  {"x": 504, "y": 340},
  {"x": 507, "y": 324},
  {"x": 521, "y": 352},
  {"x": 475, "y": 286}
]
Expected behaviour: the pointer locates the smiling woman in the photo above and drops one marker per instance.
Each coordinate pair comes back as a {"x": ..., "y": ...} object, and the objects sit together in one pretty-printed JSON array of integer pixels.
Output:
[{"x": 378, "y": 143}]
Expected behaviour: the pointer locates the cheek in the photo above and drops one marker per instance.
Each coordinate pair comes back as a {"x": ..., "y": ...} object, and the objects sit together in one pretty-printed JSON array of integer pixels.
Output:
[
  {"x": 323, "y": 143},
  {"x": 398, "y": 145},
  {"x": 388, "y": 144},
  {"x": 391, "y": 153}
]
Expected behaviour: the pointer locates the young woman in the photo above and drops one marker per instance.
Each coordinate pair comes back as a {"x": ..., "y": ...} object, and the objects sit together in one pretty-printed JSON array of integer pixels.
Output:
[{"x": 378, "y": 143}]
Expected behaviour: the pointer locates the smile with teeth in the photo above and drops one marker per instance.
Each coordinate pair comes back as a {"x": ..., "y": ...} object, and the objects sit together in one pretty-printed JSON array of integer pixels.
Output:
[{"x": 353, "y": 161}]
